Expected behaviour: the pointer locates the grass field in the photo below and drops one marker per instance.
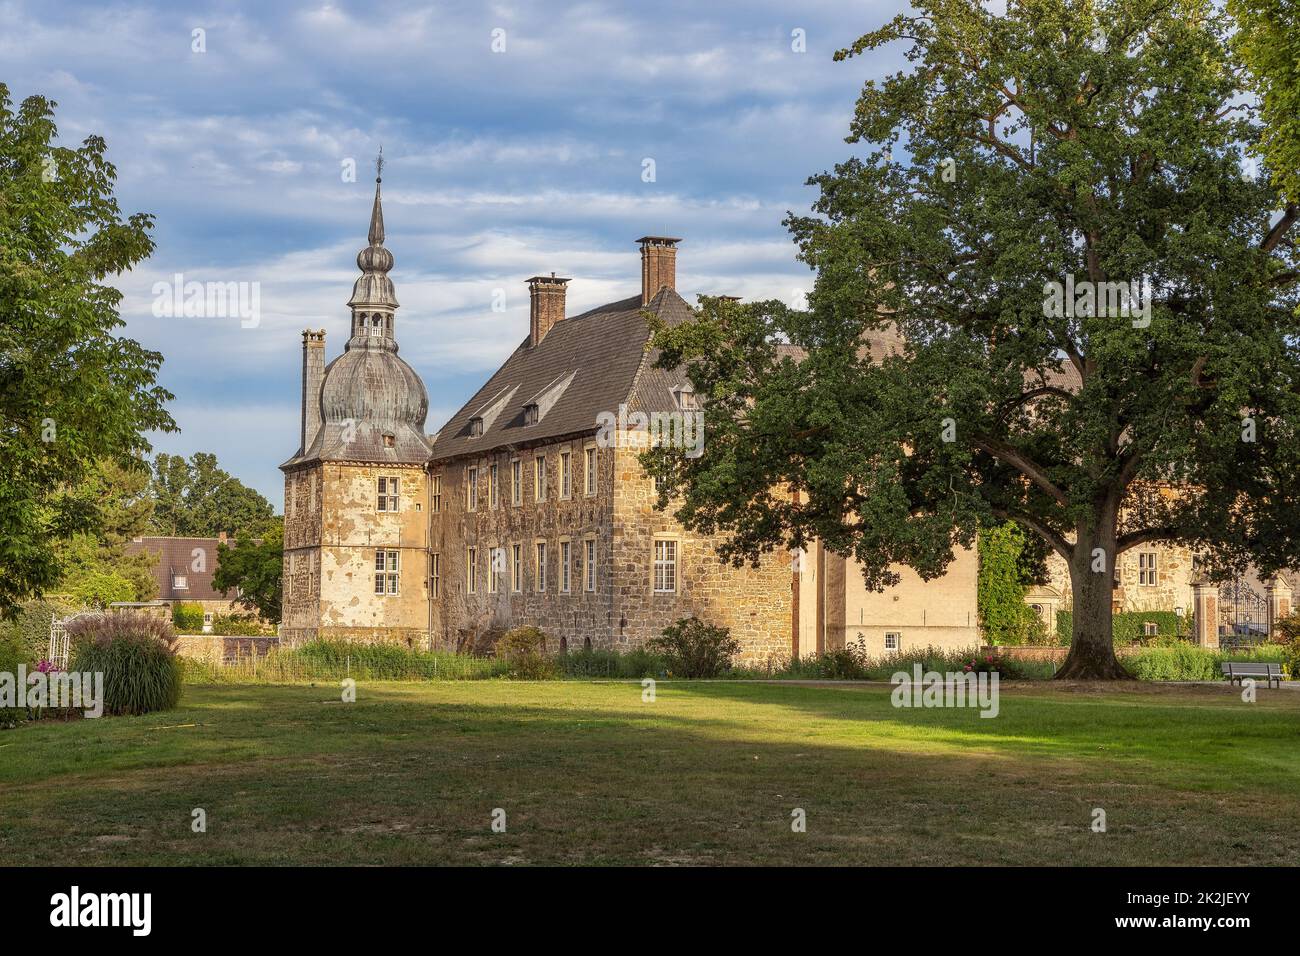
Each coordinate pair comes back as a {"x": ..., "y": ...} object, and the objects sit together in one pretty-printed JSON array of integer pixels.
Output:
[{"x": 707, "y": 774}]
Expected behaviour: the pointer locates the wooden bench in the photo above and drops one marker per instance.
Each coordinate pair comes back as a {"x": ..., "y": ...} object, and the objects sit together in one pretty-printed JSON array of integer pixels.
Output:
[{"x": 1236, "y": 670}]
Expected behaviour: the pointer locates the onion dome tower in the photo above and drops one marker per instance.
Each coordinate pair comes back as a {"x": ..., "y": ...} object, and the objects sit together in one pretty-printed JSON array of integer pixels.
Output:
[{"x": 372, "y": 404}]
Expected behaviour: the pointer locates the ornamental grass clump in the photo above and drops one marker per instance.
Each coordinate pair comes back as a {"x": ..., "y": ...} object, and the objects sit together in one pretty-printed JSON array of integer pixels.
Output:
[{"x": 136, "y": 653}]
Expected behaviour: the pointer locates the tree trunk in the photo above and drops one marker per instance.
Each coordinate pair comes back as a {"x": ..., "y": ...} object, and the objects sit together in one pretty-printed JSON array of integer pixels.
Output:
[{"x": 1092, "y": 646}]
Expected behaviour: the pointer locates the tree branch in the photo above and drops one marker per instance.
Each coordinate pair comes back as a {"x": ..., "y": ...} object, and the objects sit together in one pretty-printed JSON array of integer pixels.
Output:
[{"x": 1029, "y": 469}]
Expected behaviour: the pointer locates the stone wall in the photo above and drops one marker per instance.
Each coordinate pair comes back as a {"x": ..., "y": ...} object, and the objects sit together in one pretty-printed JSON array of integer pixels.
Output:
[
  {"x": 755, "y": 603},
  {"x": 333, "y": 529},
  {"x": 464, "y": 619}
]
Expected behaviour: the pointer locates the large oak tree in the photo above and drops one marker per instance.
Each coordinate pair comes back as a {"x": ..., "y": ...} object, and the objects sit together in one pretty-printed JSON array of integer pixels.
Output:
[{"x": 1067, "y": 141}]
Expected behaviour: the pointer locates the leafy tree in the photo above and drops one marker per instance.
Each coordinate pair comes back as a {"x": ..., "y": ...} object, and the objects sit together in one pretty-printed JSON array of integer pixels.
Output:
[
  {"x": 71, "y": 392},
  {"x": 196, "y": 498},
  {"x": 254, "y": 566},
  {"x": 1268, "y": 41},
  {"x": 91, "y": 561},
  {"x": 1065, "y": 141}
]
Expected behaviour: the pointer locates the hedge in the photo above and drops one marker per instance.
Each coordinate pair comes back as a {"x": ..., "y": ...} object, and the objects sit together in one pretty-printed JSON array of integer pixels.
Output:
[{"x": 1126, "y": 628}]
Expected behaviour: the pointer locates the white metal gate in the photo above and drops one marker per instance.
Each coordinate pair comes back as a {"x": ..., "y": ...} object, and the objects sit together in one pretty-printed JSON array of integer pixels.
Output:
[{"x": 58, "y": 654}]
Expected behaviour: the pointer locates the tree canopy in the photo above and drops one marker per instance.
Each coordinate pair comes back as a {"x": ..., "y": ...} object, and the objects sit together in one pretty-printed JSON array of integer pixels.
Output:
[
  {"x": 1096, "y": 307},
  {"x": 255, "y": 568},
  {"x": 72, "y": 393},
  {"x": 197, "y": 498}
]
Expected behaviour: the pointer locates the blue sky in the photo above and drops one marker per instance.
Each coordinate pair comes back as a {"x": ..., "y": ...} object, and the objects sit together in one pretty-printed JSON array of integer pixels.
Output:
[{"x": 499, "y": 166}]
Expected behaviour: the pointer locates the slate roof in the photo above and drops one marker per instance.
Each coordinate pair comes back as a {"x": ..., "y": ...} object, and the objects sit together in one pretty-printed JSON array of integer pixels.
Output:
[{"x": 603, "y": 349}]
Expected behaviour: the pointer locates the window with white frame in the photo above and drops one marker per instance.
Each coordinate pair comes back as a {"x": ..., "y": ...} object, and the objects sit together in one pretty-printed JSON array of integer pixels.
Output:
[
  {"x": 386, "y": 500},
  {"x": 589, "y": 470},
  {"x": 435, "y": 493},
  {"x": 1147, "y": 572},
  {"x": 516, "y": 567},
  {"x": 566, "y": 556},
  {"x": 893, "y": 641},
  {"x": 589, "y": 565},
  {"x": 566, "y": 480},
  {"x": 516, "y": 482},
  {"x": 539, "y": 570},
  {"x": 387, "y": 572},
  {"x": 471, "y": 570},
  {"x": 1150, "y": 629},
  {"x": 435, "y": 574},
  {"x": 180, "y": 582},
  {"x": 492, "y": 486},
  {"x": 665, "y": 566},
  {"x": 471, "y": 489},
  {"x": 496, "y": 568},
  {"x": 686, "y": 398},
  {"x": 539, "y": 478}
]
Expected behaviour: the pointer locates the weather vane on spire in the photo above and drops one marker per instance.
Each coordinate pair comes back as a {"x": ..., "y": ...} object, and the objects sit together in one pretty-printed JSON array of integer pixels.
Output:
[{"x": 379, "y": 166}]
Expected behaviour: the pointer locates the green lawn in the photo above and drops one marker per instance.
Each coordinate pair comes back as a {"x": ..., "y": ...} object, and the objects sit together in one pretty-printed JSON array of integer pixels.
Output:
[{"x": 709, "y": 773}]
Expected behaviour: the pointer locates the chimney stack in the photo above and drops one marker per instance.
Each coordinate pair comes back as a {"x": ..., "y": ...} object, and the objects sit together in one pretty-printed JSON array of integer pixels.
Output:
[
  {"x": 546, "y": 307},
  {"x": 313, "y": 370},
  {"x": 658, "y": 265}
]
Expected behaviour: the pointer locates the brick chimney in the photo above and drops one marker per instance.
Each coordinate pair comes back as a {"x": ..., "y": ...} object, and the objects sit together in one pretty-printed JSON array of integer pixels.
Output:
[
  {"x": 546, "y": 307},
  {"x": 313, "y": 370},
  {"x": 658, "y": 265}
]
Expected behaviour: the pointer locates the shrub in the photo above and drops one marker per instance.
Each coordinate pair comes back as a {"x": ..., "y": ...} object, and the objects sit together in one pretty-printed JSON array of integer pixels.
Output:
[
  {"x": 523, "y": 649},
  {"x": 1127, "y": 627},
  {"x": 12, "y": 654},
  {"x": 30, "y": 627},
  {"x": 136, "y": 654},
  {"x": 187, "y": 618},
  {"x": 240, "y": 625},
  {"x": 1187, "y": 661},
  {"x": 695, "y": 648}
]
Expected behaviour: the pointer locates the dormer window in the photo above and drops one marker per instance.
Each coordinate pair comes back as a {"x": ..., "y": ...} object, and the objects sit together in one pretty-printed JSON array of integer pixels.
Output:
[
  {"x": 685, "y": 396},
  {"x": 390, "y": 441},
  {"x": 476, "y": 426},
  {"x": 531, "y": 413}
]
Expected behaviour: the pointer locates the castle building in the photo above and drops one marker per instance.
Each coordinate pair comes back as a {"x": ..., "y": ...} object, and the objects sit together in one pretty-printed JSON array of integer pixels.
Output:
[{"x": 530, "y": 506}]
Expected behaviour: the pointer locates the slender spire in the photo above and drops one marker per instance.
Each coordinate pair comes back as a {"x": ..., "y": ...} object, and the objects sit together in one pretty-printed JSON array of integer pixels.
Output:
[{"x": 377, "y": 213}]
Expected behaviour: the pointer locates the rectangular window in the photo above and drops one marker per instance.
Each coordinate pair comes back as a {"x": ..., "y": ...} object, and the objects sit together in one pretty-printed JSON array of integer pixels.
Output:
[
  {"x": 665, "y": 569},
  {"x": 1147, "y": 572},
  {"x": 566, "y": 482},
  {"x": 471, "y": 489},
  {"x": 492, "y": 486},
  {"x": 496, "y": 566},
  {"x": 435, "y": 574},
  {"x": 565, "y": 557},
  {"x": 540, "y": 570},
  {"x": 516, "y": 567},
  {"x": 589, "y": 565},
  {"x": 893, "y": 641},
  {"x": 539, "y": 478},
  {"x": 180, "y": 582},
  {"x": 589, "y": 470},
  {"x": 386, "y": 499},
  {"x": 471, "y": 570},
  {"x": 435, "y": 490},
  {"x": 386, "y": 572},
  {"x": 1150, "y": 629},
  {"x": 516, "y": 482}
]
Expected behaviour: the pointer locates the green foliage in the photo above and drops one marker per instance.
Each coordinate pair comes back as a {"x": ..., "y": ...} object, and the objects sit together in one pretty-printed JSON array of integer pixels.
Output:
[
  {"x": 1268, "y": 41},
  {"x": 594, "y": 663},
  {"x": 102, "y": 588},
  {"x": 1186, "y": 661},
  {"x": 1111, "y": 157},
  {"x": 136, "y": 655},
  {"x": 523, "y": 649},
  {"x": 12, "y": 654},
  {"x": 240, "y": 625},
  {"x": 73, "y": 393},
  {"x": 694, "y": 648},
  {"x": 196, "y": 498},
  {"x": 30, "y": 626},
  {"x": 1128, "y": 626},
  {"x": 254, "y": 568},
  {"x": 335, "y": 660},
  {"x": 853, "y": 663},
  {"x": 1004, "y": 616},
  {"x": 187, "y": 618}
]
